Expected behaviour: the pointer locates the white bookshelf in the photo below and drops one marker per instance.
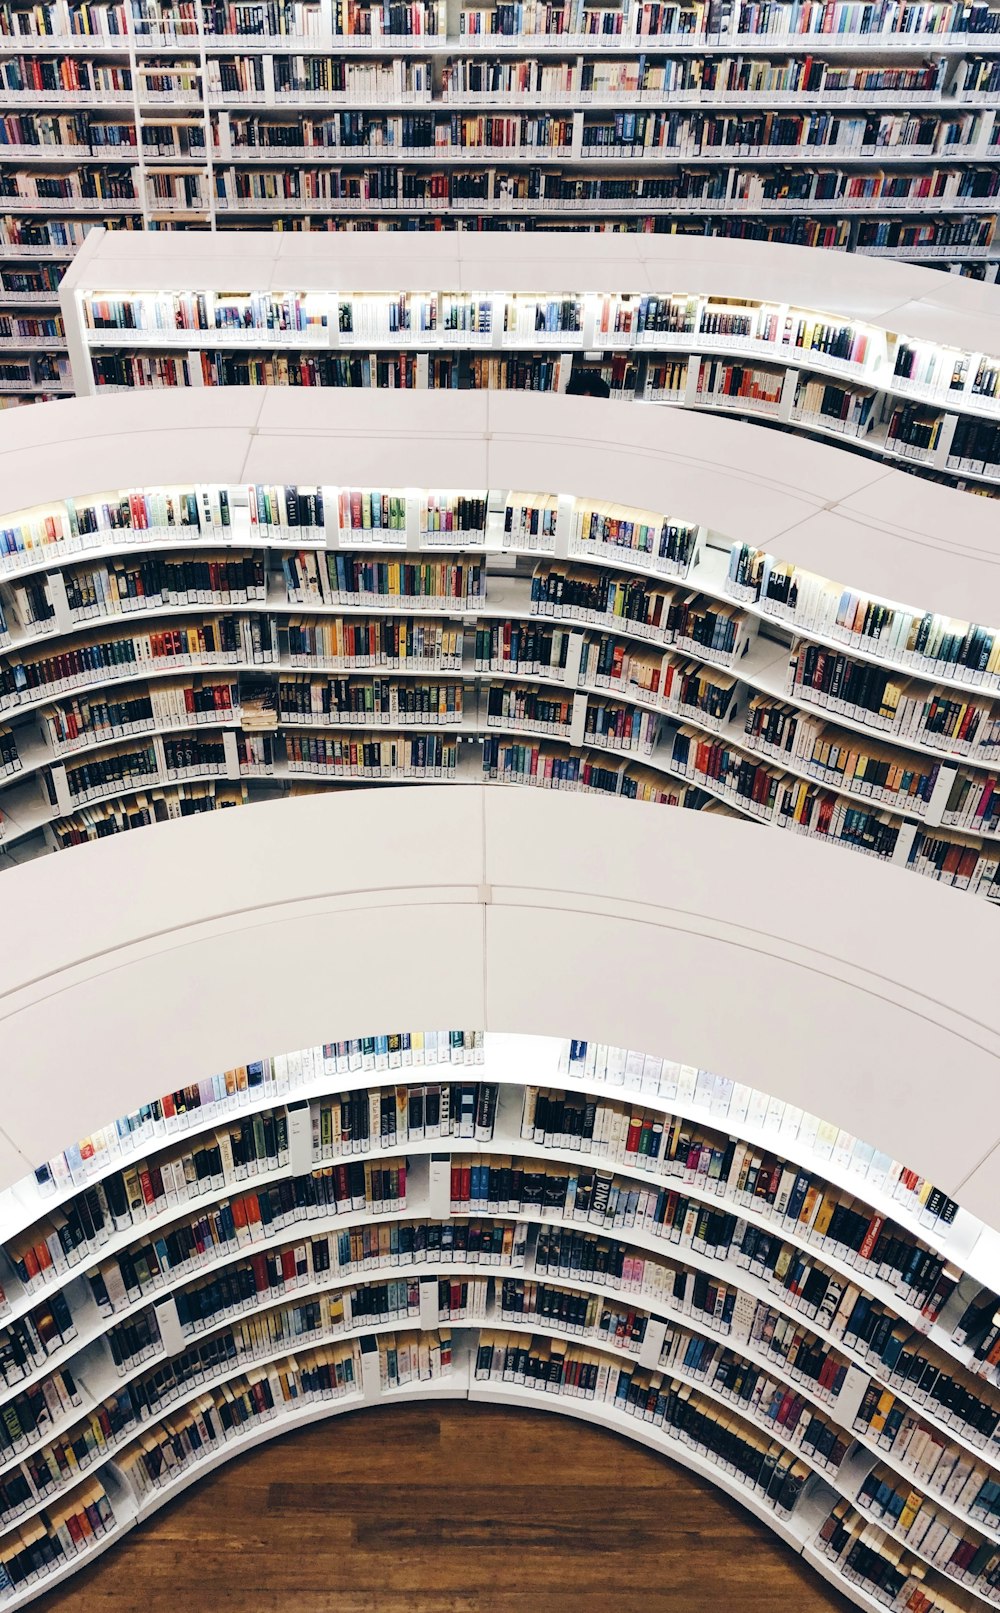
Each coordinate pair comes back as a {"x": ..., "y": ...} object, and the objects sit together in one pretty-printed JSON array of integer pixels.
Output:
[{"x": 313, "y": 306}]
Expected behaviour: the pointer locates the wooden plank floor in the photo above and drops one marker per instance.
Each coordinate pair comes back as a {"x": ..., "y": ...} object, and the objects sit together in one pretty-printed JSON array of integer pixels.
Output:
[{"x": 453, "y": 1508}]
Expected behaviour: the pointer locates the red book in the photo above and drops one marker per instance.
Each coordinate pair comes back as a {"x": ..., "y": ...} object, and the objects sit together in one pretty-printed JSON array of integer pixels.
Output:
[
  {"x": 788, "y": 1401},
  {"x": 871, "y": 1236}
]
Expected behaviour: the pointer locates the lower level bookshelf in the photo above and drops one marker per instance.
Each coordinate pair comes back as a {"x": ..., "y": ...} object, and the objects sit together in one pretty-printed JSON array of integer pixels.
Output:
[{"x": 526, "y": 1366}]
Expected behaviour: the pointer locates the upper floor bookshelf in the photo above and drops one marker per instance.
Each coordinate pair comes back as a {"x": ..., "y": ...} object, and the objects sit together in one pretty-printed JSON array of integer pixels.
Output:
[
  {"x": 866, "y": 128},
  {"x": 768, "y": 335}
]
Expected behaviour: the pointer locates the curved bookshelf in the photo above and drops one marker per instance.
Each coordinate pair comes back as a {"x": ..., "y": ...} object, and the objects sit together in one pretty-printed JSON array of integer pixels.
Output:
[
  {"x": 671, "y": 323},
  {"x": 529, "y": 1312},
  {"x": 546, "y": 638}
]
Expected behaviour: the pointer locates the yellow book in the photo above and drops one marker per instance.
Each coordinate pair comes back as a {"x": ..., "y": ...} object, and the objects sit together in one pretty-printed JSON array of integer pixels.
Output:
[{"x": 824, "y": 1215}]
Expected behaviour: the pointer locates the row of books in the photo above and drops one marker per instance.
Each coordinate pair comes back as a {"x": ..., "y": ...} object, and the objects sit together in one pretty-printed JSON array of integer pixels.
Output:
[
  {"x": 958, "y": 235},
  {"x": 834, "y": 1221},
  {"x": 870, "y": 1560},
  {"x": 77, "y": 722},
  {"x": 31, "y": 328},
  {"x": 347, "y": 642},
  {"x": 155, "y": 806},
  {"x": 268, "y": 1276},
  {"x": 26, "y": 1344},
  {"x": 847, "y": 190},
  {"x": 129, "y": 768},
  {"x": 695, "y": 78},
  {"x": 869, "y": 694},
  {"x": 112, "y": 20},
  {"x": 731, "y": 1376},
  {"x": 622, "y": 318},
  {"x": 718, "y": 1306},
  {"x": 900, "y": 1354},
  {"x": 10, "y": 761},
  {"x": 121, "y": 1281},
  {"x": 920, "y": 1522},
  {"x": 897, "y": 1352},
  {"x": 689, "y": 134},
  {"x": 199, "y": 1107},
  {"x": 339, "y": 700},
  {"x": 196, "y": 1106},
  {"x": 930, "y": 642},
  {"x": 232, "y": 640},
  {"x": 777, "y": 798},
  {"x": 845, "y": 760},
  {"x": 400, "y": 756},
  {"x": 42, "y": 376},
  {"x": 691, "y": 621},
  {"x": 148, "y": 581},
  {"x": 389, "y": 1117},
  {"x": 82, "y": 800},
  {"x": 144, "y": 1191},
  {"x": 699, "y": 78},
  {"x": 927, "y": 642},
  {"x": 96, "y": 188},
  {"x": 923, "y": 1282},
  {"x": 329, "y": 1373},
  {"x": 780, "y": 731}
]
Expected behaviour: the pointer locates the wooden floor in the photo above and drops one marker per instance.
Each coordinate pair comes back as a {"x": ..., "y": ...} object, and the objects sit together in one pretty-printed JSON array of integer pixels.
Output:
[{"x": 449, "y": 1509}]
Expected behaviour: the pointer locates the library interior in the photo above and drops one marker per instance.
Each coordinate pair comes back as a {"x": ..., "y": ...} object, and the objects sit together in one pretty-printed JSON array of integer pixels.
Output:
[{"x": 498, "y": 418}]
